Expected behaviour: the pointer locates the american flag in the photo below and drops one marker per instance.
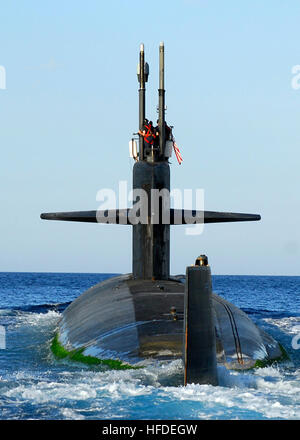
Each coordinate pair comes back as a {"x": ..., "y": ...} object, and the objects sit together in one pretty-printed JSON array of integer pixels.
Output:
[{"x": 177, "y": 152}]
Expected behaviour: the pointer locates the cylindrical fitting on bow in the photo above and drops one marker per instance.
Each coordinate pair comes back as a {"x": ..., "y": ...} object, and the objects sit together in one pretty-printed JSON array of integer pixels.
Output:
[{"x": 202, "y": 260}]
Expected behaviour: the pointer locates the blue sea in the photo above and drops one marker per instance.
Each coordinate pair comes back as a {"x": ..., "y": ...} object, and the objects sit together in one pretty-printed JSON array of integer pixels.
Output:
[{"x": 35, "y": 385}]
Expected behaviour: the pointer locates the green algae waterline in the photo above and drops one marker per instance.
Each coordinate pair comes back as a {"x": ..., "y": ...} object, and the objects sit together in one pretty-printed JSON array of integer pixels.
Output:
[
  {"x": 77, "y": 355},
  {"x": 267, "y": 362}
]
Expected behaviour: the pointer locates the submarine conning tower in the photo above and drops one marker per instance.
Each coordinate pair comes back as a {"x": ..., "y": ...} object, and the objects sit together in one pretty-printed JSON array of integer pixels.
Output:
[{"x": 151, "y": 242}]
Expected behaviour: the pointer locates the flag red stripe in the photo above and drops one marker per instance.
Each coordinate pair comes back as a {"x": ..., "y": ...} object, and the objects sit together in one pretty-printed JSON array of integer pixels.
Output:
[{"x": 177, "y": 153}]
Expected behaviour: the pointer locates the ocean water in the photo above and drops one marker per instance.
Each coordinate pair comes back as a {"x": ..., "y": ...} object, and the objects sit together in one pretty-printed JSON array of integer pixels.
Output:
[{"x": 34, "y": 385}]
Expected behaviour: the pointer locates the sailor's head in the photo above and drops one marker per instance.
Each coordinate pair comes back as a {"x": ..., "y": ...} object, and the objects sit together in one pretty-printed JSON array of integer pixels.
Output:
[{"x": 145, "y": 121}]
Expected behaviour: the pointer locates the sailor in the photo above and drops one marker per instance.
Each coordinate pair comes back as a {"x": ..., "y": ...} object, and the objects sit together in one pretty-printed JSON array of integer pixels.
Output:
[
  {"x": 156, "y": 131},
  {"x": 142, "y": 131},
  {"x": 148, "y": 134},
  {"x": 168, "y": 134},
  {"x": 167, "y": 131}
]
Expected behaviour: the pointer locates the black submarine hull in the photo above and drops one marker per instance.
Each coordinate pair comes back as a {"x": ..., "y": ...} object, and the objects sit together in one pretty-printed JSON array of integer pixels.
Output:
[{"x": 132, "y": 320}]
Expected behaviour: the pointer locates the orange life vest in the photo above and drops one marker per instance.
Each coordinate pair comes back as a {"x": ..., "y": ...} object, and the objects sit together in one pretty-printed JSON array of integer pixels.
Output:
[{"x": 149, "y": 135}]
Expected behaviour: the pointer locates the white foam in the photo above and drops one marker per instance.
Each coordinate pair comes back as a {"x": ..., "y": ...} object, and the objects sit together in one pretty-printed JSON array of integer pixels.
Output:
[
  {"x": 70, "y": 414},
  {"x": 263, "y": 393},
  {"x": 287, "y": 325},
  {"x": 42, "y": 392},
  {"x": 37, "y": 319}
]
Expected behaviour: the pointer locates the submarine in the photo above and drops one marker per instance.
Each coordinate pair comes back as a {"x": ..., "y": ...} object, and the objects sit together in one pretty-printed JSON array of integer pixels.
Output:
[{"x": 126, "y": 320}]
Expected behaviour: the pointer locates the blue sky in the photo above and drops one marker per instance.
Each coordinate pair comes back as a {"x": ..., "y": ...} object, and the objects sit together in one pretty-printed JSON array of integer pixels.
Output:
[{"x": 71, "y": 105}]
